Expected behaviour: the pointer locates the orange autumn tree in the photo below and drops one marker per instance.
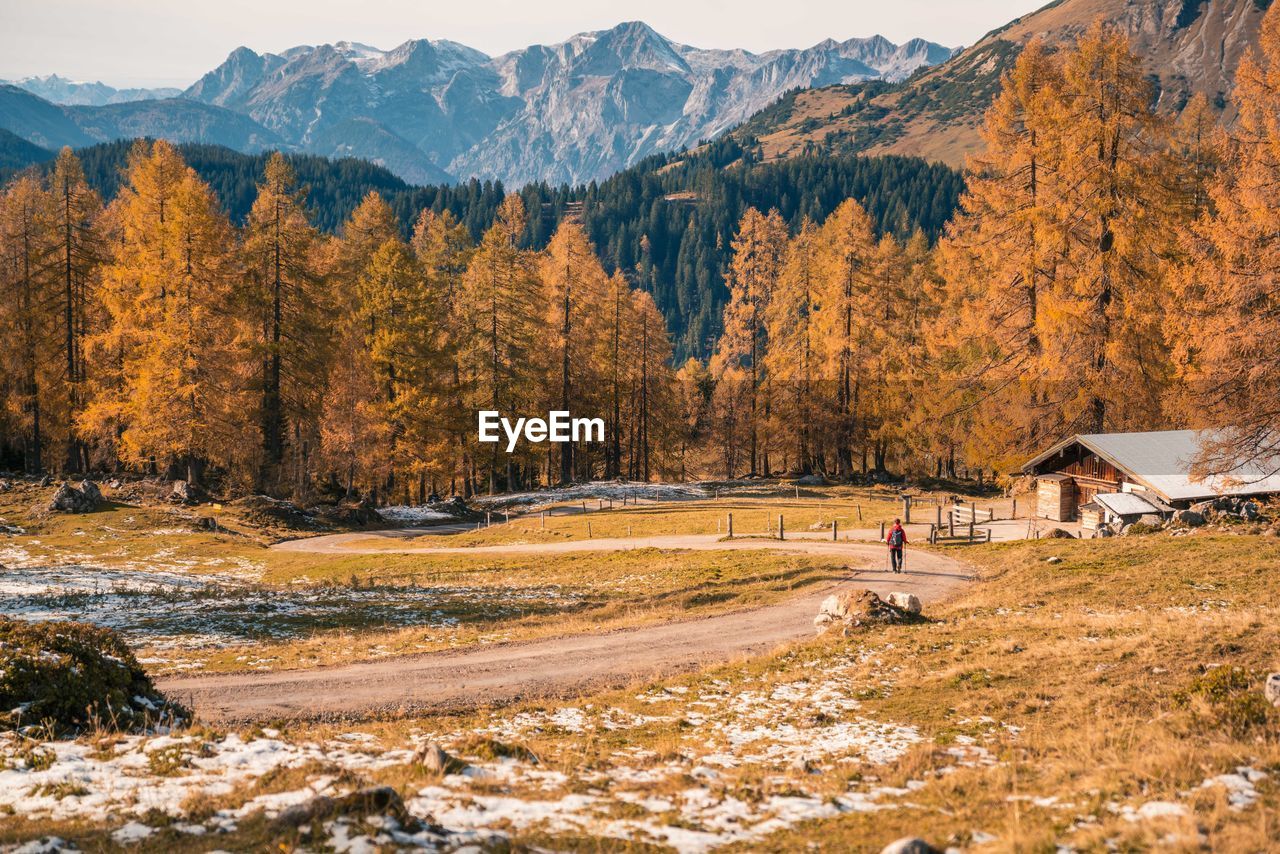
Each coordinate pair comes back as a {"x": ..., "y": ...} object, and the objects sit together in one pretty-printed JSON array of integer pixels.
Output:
[
  {"x": 740, "y": 353},
  {"x": 1226, "y": 322},
  {"x": 179, "y": 396},
  {"x": 288, "y": 310}
]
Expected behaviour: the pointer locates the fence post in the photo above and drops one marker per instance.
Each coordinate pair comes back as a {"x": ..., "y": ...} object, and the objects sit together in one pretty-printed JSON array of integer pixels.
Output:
[
  {"x": 951, "y": 522},
  {"x": 938, "y": 521},
  {"x": 859, "y": 512},
  {"x": 991, "y": 514},
  {"x": 731, "y": 526},
  {"x": 584, "y": 507},
  {"x": 882, "y": 531},
  {"x": 906, "y": 509},
  {"x": 835, "y": 530},
  {"x": 588, "y": 529},
  {"x": 488, "y": 518},
  {"x": 543, "y": 514},
  {"x": 988, "y": 535},
  {"x": 1015, "y": 508},
  {"x": 781, "y": 534},
  {"x": 971, "y": 529}
]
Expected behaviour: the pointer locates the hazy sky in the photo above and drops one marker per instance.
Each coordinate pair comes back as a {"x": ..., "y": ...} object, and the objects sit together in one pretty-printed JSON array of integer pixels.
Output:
[{"x": 172, "y": 42}]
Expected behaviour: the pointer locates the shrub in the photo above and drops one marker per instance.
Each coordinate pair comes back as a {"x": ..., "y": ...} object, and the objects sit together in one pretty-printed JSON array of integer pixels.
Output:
[
  {"x": 1226, "y": 697},
  {"x": 69, "y": 676}
]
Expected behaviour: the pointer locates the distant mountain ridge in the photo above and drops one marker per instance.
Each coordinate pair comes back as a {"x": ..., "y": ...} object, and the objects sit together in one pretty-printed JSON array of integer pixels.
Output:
[
  {"x": 432, "y": 111},
  {"x": 60, "y": 90},
  {"x": 1186, "y": 47}
]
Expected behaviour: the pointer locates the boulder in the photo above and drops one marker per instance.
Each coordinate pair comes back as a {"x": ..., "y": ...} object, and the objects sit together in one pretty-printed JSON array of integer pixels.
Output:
[
  {"x": 1189, "y": 518},
  {"x": 861, "y": 608},
  {"x": 810, "y": 480},
  {"x": 909, "y": 845},
  {"x": 1058, "y": 534},
  {"x": 349, "y": 515},
  {"x": 1250, "y": 511},
  {"x": 1271, "y": 689},
  {"x": 184, "y": 492},
  {"x": 908, "y": 602},
  {"x": 1151, "y": 520},
  {"x": 433, "y": 758},
  {"x": 1103, "y": 532},
  {"x": 71, "y": 499},
  {"x": 1054, "y": 559}
]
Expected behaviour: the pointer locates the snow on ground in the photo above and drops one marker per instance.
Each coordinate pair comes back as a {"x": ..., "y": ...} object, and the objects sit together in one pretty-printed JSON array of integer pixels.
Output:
[
  {"x": 697, "y": 767},
  {"x": 616, "y": 490},
  {"x": 171, "y": 610},
  {"x": 416, "y": 514},
  {"x": 687, "y": 798}
]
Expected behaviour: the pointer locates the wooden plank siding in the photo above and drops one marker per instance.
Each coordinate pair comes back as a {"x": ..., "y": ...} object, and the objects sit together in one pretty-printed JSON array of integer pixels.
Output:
[{"x": 1084, "y": 474}]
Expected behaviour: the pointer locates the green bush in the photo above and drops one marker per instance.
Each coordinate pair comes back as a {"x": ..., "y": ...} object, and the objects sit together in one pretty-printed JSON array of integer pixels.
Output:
[{"x": 69, "y": 677}]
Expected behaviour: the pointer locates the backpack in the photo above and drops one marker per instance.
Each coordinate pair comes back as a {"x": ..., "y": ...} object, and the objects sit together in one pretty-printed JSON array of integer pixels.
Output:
[{"x": 896, "y": 536}]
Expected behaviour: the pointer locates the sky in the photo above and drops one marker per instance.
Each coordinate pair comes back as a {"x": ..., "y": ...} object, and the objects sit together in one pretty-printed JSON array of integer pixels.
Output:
[{"x": 173, "y": 42}]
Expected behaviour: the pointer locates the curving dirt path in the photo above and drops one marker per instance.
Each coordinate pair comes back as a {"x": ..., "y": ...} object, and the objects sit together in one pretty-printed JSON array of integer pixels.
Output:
[{"x": 551, "y": 667}]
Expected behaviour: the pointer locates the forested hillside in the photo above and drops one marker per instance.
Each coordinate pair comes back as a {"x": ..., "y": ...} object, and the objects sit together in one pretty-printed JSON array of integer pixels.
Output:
[{"x": 666, "y": 223}]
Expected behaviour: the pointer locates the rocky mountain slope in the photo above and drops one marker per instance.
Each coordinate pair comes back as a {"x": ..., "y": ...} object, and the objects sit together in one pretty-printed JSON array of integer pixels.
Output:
[
  {"x": 1187, "y": 46},
  {"x": 569, "y": 112},
  {"x": 434, "y": 111}
]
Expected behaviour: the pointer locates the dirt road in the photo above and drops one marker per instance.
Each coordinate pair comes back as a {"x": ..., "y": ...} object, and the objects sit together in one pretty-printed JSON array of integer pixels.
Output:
[{"x": 553, "y": 667}]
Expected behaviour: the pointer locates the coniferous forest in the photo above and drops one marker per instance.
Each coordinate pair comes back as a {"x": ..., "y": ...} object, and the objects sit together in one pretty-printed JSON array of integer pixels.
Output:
[
  {"x": 666, "y": 223},
  {"x": 219, "y": 317}
]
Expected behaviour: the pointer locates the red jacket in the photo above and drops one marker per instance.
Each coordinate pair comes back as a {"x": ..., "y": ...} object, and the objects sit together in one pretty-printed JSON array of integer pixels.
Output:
[{"x": 889, "y": 537}]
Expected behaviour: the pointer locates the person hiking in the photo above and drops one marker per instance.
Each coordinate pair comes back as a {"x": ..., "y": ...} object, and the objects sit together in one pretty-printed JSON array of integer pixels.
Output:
[{"x": 897, "y": 539}]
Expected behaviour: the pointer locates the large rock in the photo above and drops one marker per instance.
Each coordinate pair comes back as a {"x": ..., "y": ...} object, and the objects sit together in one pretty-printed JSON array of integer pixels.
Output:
[
  {"x": 71, "y": 499},
  {"x": 1189, "y": 518},
  {"x": 810, "y": 480},
  {"x": 184, "y": 492},
  {"x": 433, "y": 758},
  {"x": 1271, "y": 689},
  {"x": 1058, "y": 534},
  {"x": 908, "y": 602},
  {"x": 859, "y": 609}
]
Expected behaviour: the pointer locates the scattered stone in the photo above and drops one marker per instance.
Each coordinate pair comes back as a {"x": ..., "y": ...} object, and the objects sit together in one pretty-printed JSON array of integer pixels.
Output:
[
  {"x": 1058, "y": 534},
  {"x": 46, "y": 481},
  {"x": 1271, "y": 689},
  {"x": 184, "y": 492},
  {"x": 1053, "y": 559},
  {"x": 205, "y": 523},
  {"x": 909, "y": 845},
  {"x": 71, "y": 499},
  {"x": 908, "y": 602},
  {"x": 1189, "y": 518},
  {"x": 433, "y": 758}
]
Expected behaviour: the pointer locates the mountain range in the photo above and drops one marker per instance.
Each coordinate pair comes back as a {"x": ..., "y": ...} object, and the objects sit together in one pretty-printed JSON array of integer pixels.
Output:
[
  {"x": 61, "y": 90},
  {"x": 435, "y": 111},
  {"x": 1185, "y": 46}
]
